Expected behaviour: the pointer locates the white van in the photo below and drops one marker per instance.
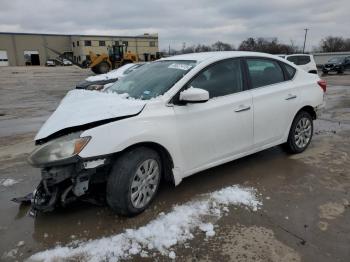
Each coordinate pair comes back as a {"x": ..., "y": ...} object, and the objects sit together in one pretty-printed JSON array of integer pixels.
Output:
[{"x": 304, "y": 61}]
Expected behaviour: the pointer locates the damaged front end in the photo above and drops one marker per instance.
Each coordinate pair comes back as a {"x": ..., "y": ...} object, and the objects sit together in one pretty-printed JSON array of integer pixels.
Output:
[{"x": 65, "y": 176}]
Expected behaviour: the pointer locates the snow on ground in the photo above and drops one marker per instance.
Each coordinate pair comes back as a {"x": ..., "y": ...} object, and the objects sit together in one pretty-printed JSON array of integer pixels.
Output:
[
  {"x": 161, "y": 234},
  {"x": 8, "y": 182}
]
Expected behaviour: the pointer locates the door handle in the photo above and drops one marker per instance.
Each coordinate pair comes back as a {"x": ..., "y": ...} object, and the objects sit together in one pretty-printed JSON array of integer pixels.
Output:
[
  {"x": 290, "y": 96},
  {"x": 242, "y": 108}
]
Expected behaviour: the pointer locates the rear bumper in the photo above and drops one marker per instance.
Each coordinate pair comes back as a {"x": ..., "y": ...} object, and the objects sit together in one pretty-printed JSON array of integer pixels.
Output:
[{"x": 320, "y": 109}]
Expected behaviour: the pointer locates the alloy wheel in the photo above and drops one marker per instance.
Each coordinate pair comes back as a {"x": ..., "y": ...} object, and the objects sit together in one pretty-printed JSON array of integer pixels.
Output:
[
  {"x": 302, "y": 133},
  {"x": 145, "y": 182}
]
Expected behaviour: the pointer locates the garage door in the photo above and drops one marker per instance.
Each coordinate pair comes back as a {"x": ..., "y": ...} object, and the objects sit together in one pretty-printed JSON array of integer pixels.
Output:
[{"x": 3, "y": 58}]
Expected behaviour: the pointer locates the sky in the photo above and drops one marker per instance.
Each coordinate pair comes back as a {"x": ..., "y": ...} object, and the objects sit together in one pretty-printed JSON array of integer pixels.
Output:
[{"x": 182, "y": 21}]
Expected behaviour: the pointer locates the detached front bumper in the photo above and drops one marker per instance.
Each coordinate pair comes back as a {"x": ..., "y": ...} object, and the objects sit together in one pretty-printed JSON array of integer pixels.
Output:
[{"x": 61, "y": 185}]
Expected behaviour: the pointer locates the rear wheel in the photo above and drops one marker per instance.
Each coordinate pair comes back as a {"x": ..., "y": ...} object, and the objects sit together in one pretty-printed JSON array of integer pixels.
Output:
[
  {"x": 134, "y": 181},
  {"x": 300, "y": 133}
]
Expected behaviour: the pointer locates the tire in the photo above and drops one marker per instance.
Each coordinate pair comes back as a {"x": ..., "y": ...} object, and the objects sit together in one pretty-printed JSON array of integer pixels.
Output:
[
  {"x": 95, "y": 70},
  {"x": 341, "y": 71},
  {"x": 126, "y": 180},
  {"x": 103, "y": 67},
  {"x": 298, "y": 141}
]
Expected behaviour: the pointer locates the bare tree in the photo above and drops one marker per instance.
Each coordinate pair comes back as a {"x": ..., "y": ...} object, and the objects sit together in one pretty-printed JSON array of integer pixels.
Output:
[
  {"x": 271, "y": 46},
  {"x": 202, "y": 48},
  {"x": 335, "y": 44},
  {"x": 221, "y": 46}
]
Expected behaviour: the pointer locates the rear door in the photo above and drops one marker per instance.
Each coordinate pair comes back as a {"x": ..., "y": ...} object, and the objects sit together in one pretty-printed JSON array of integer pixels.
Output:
[
  {"x": 275, "y": 100},
  {"x": 211, "y": 132}
]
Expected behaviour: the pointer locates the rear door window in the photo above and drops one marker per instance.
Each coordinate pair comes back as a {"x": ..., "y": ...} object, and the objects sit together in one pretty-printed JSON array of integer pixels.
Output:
[{"x": 264, "y": 72}]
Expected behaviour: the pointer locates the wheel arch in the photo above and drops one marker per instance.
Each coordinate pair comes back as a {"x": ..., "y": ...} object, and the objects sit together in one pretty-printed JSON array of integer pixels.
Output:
[
  {"x": 308, "y": 109},
  {"x": 167, "y": 160}
]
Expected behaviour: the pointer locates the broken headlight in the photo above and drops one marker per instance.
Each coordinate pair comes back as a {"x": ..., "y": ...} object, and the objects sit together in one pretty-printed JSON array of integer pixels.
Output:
[{"x": 58, "y": 150}]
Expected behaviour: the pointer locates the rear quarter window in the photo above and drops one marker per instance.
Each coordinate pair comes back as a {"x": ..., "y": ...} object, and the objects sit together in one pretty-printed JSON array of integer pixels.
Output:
[{"x": 290, "y": 71}]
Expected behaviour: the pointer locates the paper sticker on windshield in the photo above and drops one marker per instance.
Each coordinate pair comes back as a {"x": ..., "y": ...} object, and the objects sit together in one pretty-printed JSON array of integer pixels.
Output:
[{"x": 180, "y": 66}]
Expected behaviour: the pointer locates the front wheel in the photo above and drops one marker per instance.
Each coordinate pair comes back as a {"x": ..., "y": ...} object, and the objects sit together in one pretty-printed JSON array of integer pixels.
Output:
[
  {"x": 103, "y": 67},
  {"x": 300, "y": 133},
  {"x": 134, "y": 181}
]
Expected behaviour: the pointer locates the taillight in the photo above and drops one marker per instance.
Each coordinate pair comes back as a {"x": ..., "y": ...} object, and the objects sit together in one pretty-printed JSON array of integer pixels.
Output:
[{"x": 323, "y": 84}]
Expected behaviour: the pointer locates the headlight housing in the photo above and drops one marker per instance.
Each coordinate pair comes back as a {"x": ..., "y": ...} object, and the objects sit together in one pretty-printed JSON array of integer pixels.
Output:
[{"x": 58, "y": 150}]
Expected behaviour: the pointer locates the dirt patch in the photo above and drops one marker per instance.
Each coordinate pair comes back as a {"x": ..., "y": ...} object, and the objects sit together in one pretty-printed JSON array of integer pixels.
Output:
[
  {"x": 256, "y": 244},
  {"x": 323, "y": 225},
  {"x": 331, "y": 210}
]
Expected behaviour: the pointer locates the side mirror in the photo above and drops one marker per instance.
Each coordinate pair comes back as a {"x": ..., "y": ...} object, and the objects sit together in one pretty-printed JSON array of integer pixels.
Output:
[{"x": 194, "y": 95}]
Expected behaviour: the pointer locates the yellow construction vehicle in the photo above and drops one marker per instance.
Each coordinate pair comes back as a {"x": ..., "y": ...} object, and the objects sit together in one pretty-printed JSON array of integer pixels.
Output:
[{"x": 117, "y": 56}]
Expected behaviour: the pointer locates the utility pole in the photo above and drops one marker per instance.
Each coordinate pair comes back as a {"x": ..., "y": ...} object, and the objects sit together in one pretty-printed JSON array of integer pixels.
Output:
[{"x": 306, "y": 29}]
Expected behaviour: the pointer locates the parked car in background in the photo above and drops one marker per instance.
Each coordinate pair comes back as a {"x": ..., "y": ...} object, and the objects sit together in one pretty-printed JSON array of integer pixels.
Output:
[
  {"x": 304, "y": 61},
  {"x": 97, "y": 82},
  {"x": 66, "y": 62},
  {"x": 50, "y": 62},
  {"x": 336, "y": 64},
  {"x": 168, "y": 120}
]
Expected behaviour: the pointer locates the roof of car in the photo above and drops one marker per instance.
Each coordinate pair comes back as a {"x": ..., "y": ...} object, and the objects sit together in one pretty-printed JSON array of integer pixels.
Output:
[{"x": 199, "y": 57}]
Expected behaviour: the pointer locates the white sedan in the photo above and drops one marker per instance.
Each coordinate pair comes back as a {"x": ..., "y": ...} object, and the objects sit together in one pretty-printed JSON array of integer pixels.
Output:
[
  {"x": 98, "y": 82},
  {"x": 170, "y": 119}
]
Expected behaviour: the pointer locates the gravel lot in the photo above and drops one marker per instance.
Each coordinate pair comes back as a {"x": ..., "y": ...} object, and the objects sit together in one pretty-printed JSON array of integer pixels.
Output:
[{"x": 305, "y": 212}]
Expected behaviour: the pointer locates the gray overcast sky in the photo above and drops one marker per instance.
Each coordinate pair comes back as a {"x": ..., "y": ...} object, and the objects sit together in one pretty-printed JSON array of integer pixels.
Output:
[{"x": 189, "y": 21}]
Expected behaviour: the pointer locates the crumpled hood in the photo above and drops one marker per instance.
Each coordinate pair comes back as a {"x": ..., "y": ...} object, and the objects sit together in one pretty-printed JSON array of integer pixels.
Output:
[{"x": 81, "y": 107}]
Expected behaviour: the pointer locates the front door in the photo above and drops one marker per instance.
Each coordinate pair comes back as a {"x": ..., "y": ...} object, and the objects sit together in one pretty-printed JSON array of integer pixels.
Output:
[{"x": 211, "y": 132}]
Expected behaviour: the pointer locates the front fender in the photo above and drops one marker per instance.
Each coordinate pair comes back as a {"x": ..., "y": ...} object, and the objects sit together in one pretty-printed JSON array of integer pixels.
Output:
[{"x": 116, "y": 136}]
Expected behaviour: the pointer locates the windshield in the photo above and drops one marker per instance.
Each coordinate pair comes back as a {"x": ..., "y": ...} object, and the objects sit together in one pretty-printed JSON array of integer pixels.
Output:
[
  {"x": 152, "y": 80},
  {"x": 335, "y": 60}
]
